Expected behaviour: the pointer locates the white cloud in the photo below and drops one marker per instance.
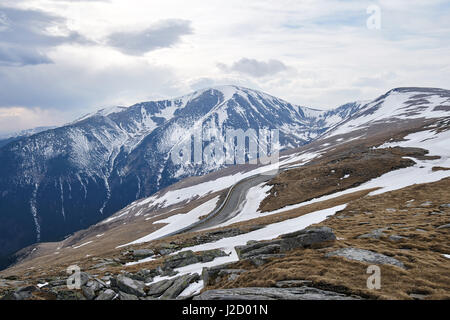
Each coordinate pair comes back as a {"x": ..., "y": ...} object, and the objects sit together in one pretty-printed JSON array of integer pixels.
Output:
[{"x": 255, "y": 68}]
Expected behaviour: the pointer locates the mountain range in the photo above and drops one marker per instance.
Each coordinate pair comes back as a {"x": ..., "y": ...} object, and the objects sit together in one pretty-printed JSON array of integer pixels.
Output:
[{"x": 56, "y": 181}]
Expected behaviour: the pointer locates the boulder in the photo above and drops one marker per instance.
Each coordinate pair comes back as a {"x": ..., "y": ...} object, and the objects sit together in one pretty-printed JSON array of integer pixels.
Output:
[
  {"x": 268, "y": 249},
  {"x": 374, "y": 234},
  {"x": 210, "y": 255},
  {"x": 306, "y": 238},
  {"x": 142, "y": 253},
  {"x": 178, "y": 285},
  {"x": 209, "y": 274},
  {"x": 96, "y": 284},
  {"x": 70, "y": 295},
  {"x": 181, "y": 259},
  {"x": 108, "y": 294},
  {"x": 158, "y": 288},
  {"x": 130, "y": 286},
  {"x": 23, "y": 293},
  {"x": 126, "y": 296},
  {"x": 165, "y": 271},
  {"x": 365, "y": 256},
  {"x": 262, "y": 259},
  {"x": 299, "y": 239},
  {"x": 230, "y": 274},
  {"x": 252, "y": 247},
  {"x": 84, "y": 278},
  {"x": 395, "y": 238},
  {"x": 88, "y": 293}
]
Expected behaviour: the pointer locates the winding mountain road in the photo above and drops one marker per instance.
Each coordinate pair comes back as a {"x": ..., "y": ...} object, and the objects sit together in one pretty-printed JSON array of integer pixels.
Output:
[{"x": 231, "y": 205}]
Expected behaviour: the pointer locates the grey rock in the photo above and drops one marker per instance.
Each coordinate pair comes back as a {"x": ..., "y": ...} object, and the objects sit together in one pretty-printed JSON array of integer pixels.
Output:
[
  {"x": 395, "y": 237},
  {"x": 445, "y": 226},
  {"x": 104, "y": 264},
  {"x": 365, "y": 256},
  {"x": 96, "y": 285},
  {"x": 264, "y": 258},
  {"x": 306, "y": 238},
  {"x": 302, "y": 293},
  {"x": 12, "y": 296},
  {"x": 245, "y": 250},
  {"x": 210, "y": 255},
  {"x": 426, "y": 204},
  {"x": 445, "y": 205},
  {"x": 165, "y": 252},
  {"x": 126, "y": 296},
  {"x": 23, "y": 293},
  {"x": 178, "y": 285},
  {"x": 108, "y": 294},
  {"x": 230, "y": 274},
  {"x": 418, "y": 296},
  {"x": 57, "y": 283},
  {"x": 165, "y": 271},
  {"x": 27, "y": 289},
  {"x": 181, "y": 259},
  {"x": 143, "y": 253},
  {"x": 84, "y": 278},
  {"x": 268, "y": 249},
  {"x": 158, "y": 288},
  {"x": 130, "y": 286},
  {"x": 88, "y": 293},
  {"x": 209, "y": 274},
  {"x": 374, "y": 234},
  {"x": 70, "y": 295}
]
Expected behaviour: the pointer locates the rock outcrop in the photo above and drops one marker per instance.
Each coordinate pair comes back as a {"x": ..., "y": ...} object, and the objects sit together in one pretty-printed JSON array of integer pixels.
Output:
[
  {"x": 301, "y": 293},
  {"x": 365, "y": 256}
]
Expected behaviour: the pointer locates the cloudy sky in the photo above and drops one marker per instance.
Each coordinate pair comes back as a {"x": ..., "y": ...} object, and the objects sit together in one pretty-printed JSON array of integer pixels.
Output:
[{"x": 60, "y": 59}]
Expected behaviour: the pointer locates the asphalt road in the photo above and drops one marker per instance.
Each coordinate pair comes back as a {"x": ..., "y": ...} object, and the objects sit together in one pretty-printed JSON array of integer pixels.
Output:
[{"x": 230, "y": 207}]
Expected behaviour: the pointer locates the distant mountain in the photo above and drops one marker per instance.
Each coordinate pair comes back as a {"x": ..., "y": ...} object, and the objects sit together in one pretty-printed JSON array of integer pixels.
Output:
[{"x": 61, "y": 180}]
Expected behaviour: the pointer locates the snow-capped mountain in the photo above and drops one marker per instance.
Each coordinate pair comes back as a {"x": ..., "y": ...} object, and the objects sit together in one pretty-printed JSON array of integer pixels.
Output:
[{"x": 61, "y": 180}]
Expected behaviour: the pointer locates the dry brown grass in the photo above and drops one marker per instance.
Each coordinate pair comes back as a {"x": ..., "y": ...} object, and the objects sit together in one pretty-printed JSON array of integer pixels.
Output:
[
  {"x": 335, "y": 174},
  {"x": 427, "y": 272}
]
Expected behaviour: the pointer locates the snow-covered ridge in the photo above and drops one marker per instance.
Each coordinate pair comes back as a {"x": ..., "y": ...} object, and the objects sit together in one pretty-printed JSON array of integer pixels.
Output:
[{"x": 398, "y": 104}]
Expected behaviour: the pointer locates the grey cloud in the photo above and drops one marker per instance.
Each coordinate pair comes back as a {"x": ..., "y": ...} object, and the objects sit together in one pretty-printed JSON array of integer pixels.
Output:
[
  {"x": 255, "y": 68},
  {"x": 17, "y": 56},
  {"x": 23, "y": 36},
  {"x": 164, "y": 34},
  {"x": 78, "y": 89}
]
